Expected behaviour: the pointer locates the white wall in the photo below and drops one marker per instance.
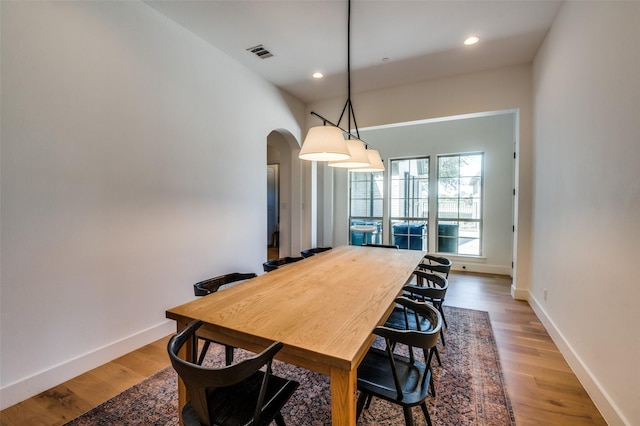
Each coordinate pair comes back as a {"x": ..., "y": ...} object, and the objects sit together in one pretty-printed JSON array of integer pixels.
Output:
[
  {"x": 496, "y": 90},
  {"x": 586, "y": 198},
  {"x": 129, "y": 171},
  {"x": 493, "y": 135}
]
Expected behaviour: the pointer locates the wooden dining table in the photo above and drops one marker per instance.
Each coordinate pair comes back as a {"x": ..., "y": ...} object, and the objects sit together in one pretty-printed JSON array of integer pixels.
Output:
[{"x": 323, "y": 309}]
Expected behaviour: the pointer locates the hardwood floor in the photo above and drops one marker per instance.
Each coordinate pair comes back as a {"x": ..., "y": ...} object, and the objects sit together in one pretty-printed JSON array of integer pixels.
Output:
[
  {"x": 541, "y": 386},
  {"x": 272, "y": 253}
]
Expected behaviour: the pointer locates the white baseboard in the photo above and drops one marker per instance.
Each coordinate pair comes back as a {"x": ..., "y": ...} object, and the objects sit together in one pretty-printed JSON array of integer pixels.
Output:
[
  {"x": 480, "y": 268},
  {"x": 599, "y": 396},
  {"x": 26, "y": 388},
  {"x": 519, "y": 294}
]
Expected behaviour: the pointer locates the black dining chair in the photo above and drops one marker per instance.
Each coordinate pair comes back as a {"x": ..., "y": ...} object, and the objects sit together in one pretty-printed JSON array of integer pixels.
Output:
[
  {"x": 401, "y": 379},
  {"x": 436, "y": 264},
  {"x": 212, "y": 285},
  {"x": 430, "y": 287},
  {"x": 434, "y": 291},
  {"x": 272, "y": 265},
  {"x": 244, "y": 393},
  {"x": 313, "y": 251}
]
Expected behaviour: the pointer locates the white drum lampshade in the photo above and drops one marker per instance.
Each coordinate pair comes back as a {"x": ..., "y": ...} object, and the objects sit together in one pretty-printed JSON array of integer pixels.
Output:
[
  {"x": 359, "y": 157},
  {"x": 324, "y": 143},
  {"x": 375, "y": 160}
]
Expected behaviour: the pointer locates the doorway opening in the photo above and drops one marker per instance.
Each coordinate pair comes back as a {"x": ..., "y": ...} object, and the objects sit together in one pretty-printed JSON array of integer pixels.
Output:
[{"x": 273, "y": 215}]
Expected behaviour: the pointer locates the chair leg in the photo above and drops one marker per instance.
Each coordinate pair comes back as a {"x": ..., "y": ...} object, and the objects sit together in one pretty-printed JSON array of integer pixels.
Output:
[
  {"x": 203, "y": 353},
  {"x": 444, "y": 319},
  {"x": 279, "y": 420},
  {"x": 228, "y": 354},
  {"x": 408, "y": 416},
  {"x": 362, "y": 398},
  {"x": 434, "y": 351},
  {"x": 428, "y": 364},
  {"x": 432, "y": 386},
  {"x": 425, "y": 411},
  {"x": 369, "y": 399}
]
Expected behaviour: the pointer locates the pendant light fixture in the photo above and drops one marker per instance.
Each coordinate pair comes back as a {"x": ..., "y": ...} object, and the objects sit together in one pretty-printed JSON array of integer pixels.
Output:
[
  {"x": 374, "y": 160},
  {"x": 359, "y": 156},
  {"x": 324, "y": 143}
]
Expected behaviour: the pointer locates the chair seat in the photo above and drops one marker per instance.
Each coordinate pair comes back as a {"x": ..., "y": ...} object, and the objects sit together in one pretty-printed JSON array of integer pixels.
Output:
[
  {"x": 398, "y": 321},
  {"x": 234, "y": 405},
  {"x": 375, "y": 377}
]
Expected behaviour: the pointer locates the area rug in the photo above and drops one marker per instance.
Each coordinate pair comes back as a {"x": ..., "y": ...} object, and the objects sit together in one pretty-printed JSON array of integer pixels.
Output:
[{"x": 469, "y": 386}]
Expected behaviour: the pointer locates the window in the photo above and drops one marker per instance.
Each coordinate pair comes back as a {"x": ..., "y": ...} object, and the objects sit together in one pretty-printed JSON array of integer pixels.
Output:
[
  {"x": 409, "y": 203},
  {"x": 460, "y": 204},
  {"x": 366, "y": 207}
]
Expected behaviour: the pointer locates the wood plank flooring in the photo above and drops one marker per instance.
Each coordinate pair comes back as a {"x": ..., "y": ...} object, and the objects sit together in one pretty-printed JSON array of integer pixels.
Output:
[{"x": 541, "y": 386}]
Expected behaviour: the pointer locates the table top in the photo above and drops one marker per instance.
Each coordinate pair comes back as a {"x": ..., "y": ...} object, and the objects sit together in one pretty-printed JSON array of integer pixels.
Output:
[{"x": 323, "y": 308}]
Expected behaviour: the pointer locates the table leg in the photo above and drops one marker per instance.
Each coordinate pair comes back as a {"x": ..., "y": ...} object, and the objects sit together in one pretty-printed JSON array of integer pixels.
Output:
[{"x": 343, "y": 397}]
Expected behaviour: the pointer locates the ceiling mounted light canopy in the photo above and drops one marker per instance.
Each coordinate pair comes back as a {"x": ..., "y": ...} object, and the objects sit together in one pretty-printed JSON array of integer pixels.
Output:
[{"x": 319, "y": 145}]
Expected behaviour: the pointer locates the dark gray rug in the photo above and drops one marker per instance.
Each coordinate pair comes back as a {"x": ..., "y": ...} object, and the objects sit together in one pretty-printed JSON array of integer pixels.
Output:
[{"x": 469, "y": 385}]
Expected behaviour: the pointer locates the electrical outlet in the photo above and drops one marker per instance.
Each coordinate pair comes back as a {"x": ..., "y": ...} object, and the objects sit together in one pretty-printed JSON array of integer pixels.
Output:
[{"x": 545, "y": 294}]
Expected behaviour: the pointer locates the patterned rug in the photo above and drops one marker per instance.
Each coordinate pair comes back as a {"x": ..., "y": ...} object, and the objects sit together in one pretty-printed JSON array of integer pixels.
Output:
[{"x": 469, "y": 385}]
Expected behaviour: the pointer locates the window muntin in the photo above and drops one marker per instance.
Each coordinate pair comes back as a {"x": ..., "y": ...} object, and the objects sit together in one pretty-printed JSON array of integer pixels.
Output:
[
  {"x": 409, "y": 193},
  {"x": 460, "y": 185}
]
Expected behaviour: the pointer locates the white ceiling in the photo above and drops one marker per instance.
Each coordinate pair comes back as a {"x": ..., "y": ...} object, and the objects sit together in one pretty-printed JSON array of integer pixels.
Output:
[{"x": 422, "y": 39}]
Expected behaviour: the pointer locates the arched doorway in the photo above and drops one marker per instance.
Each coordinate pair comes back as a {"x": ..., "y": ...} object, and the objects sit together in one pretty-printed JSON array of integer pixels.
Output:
[{"x": 284, "y": 185}]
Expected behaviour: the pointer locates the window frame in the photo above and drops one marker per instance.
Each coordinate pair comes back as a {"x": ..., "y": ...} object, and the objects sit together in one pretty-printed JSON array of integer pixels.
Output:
[
  {"x": 439, "y": 219},
  {"x": 376, "y": 236},
  {"x": 408, "y": 238}
]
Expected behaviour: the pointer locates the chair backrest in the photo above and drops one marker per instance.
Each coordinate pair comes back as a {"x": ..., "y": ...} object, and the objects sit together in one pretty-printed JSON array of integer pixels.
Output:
[
  {"x": 272, "y": 265},
  {"x": 390, "y": 246},
  {"x": 313, "y": 251},
  {"x": 213, "y": 284},
  {"x": 429, "y": 286},
  {"x": 200, "y": 381},
  {"x": 434, "y": 283},
  {"x": 424, "y": 339},
  {"x": 427, "y": 279},
  {"x": 436, "y": 264}
]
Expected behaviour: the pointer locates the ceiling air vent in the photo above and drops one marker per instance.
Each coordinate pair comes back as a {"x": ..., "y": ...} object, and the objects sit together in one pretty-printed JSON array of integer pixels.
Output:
[{"x": 260, "y": 51}]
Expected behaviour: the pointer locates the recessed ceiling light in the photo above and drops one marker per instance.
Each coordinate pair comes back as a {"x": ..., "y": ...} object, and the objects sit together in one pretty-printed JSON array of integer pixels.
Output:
[
  {"x": 318, "y": 75},
  {"x": 471, "y": 40}
]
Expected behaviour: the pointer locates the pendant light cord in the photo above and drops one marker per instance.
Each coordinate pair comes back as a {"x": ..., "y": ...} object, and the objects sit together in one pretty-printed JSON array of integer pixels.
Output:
[{"x": 348, "y": 106}]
